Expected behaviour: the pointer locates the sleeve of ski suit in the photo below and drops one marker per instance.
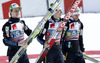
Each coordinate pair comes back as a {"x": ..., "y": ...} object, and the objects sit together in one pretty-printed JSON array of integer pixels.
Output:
[
  {"x": 26, "y": 29},
  {"x": 42, "y": 34},
  {"x": 81, "y": 39},
  {"x": 6, "y": 39}
]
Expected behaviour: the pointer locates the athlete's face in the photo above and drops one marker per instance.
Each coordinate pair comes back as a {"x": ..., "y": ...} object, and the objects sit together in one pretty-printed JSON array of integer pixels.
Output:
[
  {"x": 76, "y": 16},
  {"x": 58, "y": 14},
  {"x": 15, "y": 13}
]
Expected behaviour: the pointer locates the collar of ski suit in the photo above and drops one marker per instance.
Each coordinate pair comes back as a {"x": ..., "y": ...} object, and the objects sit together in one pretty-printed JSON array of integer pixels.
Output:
[
  {"x": 55, "y": 20},
  {"x": 13, "y": 20}
]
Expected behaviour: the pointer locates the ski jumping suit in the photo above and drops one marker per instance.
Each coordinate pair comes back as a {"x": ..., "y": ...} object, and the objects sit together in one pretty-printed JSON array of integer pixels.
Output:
[
  {"x": 13, "y": 32},
  {"x": 55, "y": 53},
  {"x": 73, "y": 42}
]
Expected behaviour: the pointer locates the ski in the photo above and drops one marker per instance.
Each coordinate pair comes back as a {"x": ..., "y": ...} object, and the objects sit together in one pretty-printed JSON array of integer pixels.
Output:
[
  {"x": 56, "y": 33},
  {"x": 38, "y": 28},
  {"x": 91, "y": 59}
]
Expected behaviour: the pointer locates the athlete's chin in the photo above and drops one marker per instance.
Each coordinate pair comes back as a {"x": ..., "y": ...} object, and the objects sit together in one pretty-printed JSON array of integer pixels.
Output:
[{"x": 17, "y": 16}]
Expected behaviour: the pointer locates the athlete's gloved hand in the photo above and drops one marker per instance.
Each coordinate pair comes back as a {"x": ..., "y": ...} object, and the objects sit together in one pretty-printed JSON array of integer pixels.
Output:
[
  {"x": 84, "y": 54},
  {"x": 64, "y": 57},
  {"x": 46, "y": 45},
  {"x": 24, "y": 43}
]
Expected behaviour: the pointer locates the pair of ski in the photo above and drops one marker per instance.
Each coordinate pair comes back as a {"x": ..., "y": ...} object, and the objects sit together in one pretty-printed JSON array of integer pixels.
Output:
[{"x": 36, "y": 31}]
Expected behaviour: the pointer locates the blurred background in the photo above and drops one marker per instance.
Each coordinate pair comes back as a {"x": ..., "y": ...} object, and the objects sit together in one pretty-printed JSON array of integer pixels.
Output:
[
  {"x": 31, "y": 8},
  {"x": 34, "y": 10}
]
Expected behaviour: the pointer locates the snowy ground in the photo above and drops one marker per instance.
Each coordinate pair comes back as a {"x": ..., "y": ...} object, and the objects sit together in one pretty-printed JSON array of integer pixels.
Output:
[{"x": 91, "y": 34}]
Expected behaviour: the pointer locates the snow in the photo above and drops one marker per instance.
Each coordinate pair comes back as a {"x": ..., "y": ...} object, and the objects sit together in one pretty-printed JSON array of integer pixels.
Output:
[{"x": 91, "y": 33}]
